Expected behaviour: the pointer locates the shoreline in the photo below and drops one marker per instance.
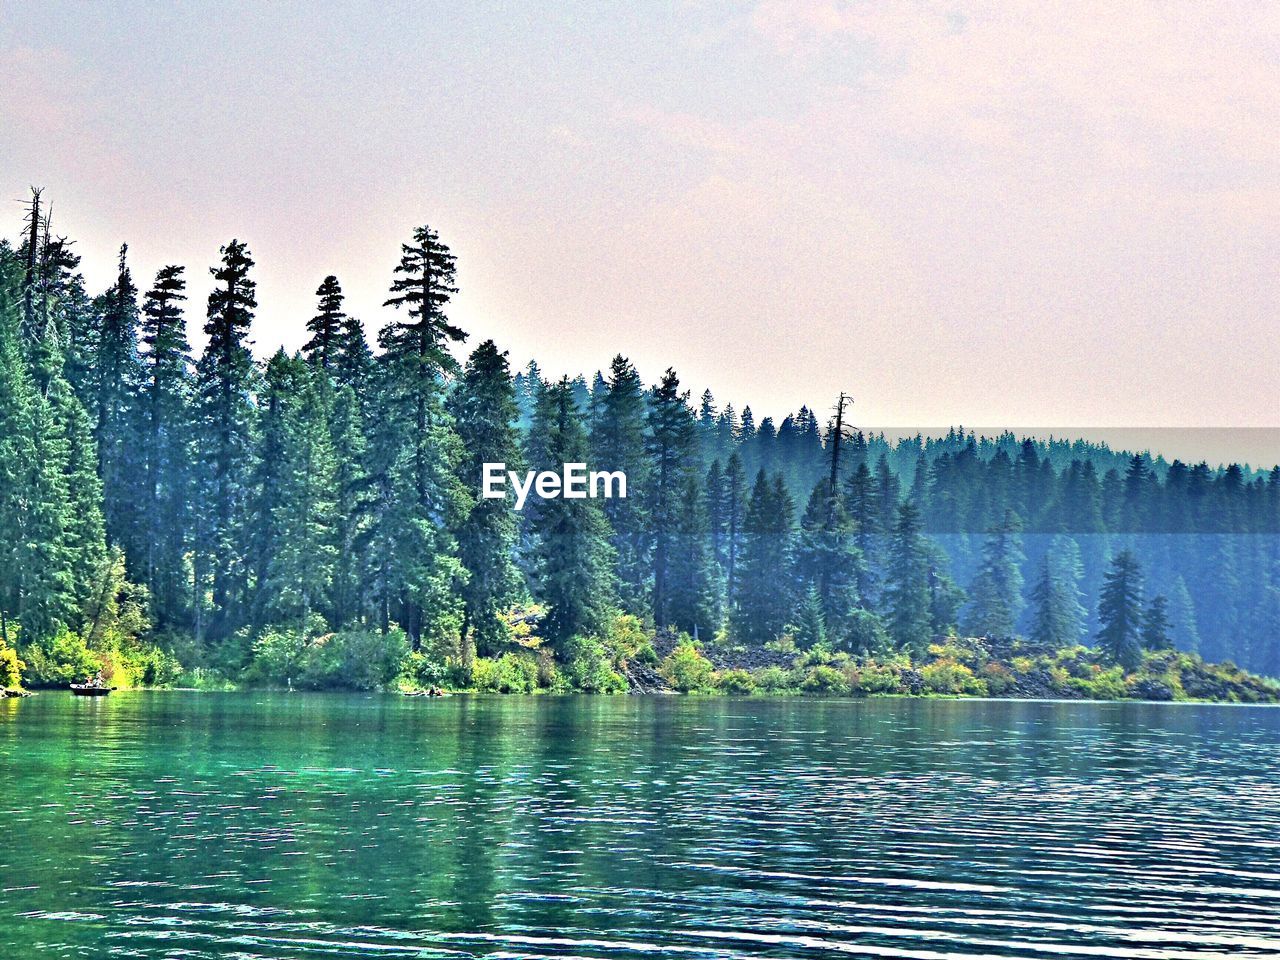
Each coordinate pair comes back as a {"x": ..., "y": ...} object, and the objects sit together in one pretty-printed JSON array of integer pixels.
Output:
[{"x": 652, "y": 695}]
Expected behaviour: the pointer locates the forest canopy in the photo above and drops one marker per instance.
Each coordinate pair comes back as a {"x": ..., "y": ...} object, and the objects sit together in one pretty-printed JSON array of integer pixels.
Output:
[{"x": 318, "y": 517}]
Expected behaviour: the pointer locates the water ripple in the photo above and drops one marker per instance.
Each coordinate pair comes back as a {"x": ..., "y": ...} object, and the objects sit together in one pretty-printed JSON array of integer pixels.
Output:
[{"x": 273, "y": 826}]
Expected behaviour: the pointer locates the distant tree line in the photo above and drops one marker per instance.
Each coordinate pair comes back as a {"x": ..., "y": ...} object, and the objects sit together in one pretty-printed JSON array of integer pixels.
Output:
[{"x": 338, "y": 486}]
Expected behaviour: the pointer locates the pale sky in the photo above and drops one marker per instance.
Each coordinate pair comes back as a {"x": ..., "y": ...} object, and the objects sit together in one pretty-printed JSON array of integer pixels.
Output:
[{"x": 1007, "y": 213}]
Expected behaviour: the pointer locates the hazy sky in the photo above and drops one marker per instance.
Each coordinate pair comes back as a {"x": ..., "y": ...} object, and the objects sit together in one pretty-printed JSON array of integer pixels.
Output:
[{"x": 1004, "y": 213}]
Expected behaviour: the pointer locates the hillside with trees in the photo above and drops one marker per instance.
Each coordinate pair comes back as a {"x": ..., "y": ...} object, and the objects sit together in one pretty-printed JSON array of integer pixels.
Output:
[{"x": 313, "y": 519}]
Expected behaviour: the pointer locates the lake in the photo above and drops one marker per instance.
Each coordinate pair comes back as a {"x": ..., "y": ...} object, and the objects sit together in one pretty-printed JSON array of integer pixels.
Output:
[{"x": 249, "y": 825}]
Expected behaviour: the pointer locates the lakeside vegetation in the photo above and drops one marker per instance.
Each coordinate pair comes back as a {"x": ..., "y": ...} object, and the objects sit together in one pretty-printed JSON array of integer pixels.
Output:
[{"x": 313, "y": 521}]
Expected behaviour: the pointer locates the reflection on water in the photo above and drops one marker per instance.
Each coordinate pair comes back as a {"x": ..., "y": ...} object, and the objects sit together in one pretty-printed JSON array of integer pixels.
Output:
[{"x": 254, "y": 826}]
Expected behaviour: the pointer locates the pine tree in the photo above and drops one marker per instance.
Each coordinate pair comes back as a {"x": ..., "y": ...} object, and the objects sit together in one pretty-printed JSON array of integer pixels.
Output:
[
  {"x": 297, "y": 494},
  {"x": 1120, "y": 611},
  {"x": 1157, "y": 633},
  {"x": 484, "y": 409},
  {"x": 714, "y": 485},
  {"x": 811, "y": 623},
  {"x": 225, "y": 380},
  {"x": 84, "y": 543},
  {"x": 732, "y": 510},
  {"x": 427, "y": 501},
  {"x": 997, "y": 590},
  {"x": 863, "y": 505},
  {"x": 337, "y": 343},
  {"x": 71, "y": 312},
  {"x": 763, "y": 595},
  {"x": 907, "y": 593},
  {"x": 347, "y": 429},
  {"x": 18, "y": 440},
  {"x": 166, "y": 399},
  {"x": 573, "y": 570},
  {"x": 51, "y": 508},
  {"x": 354, "y": 365},
  {"x": 1182, "y": 612},
  {"x": 47, "y": 585},
  {"x": 671, "y": 439},
  {"x": 326, "y": 326},
  {"x": 117, "y": 378},
  {"x": 694, "y": 594},
  {"x": 1058, "y": 617},
  {"x": 828, "y": 561},
  {"x": 618, "y": 443}
]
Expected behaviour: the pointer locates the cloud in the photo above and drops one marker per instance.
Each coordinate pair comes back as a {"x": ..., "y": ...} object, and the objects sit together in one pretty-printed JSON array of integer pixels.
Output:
[
  {"x": 44, "y": 88},
  {"x": 1075, "y": 90},
  {"x": 1060, "y": 203}
]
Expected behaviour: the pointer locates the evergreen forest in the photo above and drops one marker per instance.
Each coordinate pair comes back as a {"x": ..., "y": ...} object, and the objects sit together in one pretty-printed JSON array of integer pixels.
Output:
[{"x": 314, "y": 519}]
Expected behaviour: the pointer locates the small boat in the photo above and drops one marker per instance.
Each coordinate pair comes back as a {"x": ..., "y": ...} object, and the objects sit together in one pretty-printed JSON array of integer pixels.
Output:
[{"x": 90, "y": 690}]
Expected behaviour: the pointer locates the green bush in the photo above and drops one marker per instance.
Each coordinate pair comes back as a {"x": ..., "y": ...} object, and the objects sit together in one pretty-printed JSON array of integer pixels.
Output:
[
  {"x": 773, "y": 679},
  {"x": 277, "y": 657},
  {"x": 783, "y": 644},
  {"x": 420, "y": 672},
  {"x": 686, "y": 669},
  {"x": 735, "y": 682},
  {"x": 154, "y": 667},
  {"x": 510, "y": 673},
  {"x": 1089, "y": 680},
  {"x": 347, "y": 660},
  {"x": 62, "y": 660},
  {"x": 820, "y": 653},
  {"x": 946, "y": 676},
  {"x": 353, "y": 660},
  {"x": 10, "y": 667},
  {"x": 628, "y": 640},
  {"x": 825, "y": 680},
  {"x": 998, "y": 679},
  {"x": 875, "y": 678},
  {"x": 590, "y": 667},
  {"x": 550, "y": 676}
]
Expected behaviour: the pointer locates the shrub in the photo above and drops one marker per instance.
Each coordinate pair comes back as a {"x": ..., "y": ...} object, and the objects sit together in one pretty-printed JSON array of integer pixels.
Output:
[
  {"x": 820, "y": 653},
  {"x": 1060, "y": 680},
  {"x": 10, "y": 667},
  {"x": 825, "y": 680},
  {"x": 550, "y": 676},
  {"x": 686, "y": 669},
  {"x": 628, "y": 640},
  {"x": 1097, "y": 684},
  {"x": 277, "y": 657},
  {"x": 347, "y": 660},
  {"x": 783, "y": 644},
  {"x": 876, "y": 678},
  {"x": 735, "y": 682},
  {"x": 62, "y": 660},
  {"x": 354, "y": 660},
  {"x": 773, "y": 679},
  {"x": 998, "y": 679},
  {"x": 155, "y": 667},
  {"x": 420, "y": 672},
  {"x": 483, "y": 675},
  {"x": 590, "y": 668},
  {"x": 510, "y": 673},
  {"x": 946, "y": 676}
]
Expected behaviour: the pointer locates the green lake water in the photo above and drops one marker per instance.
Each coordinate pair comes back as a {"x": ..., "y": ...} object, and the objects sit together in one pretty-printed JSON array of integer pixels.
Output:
[{"x": 187, "y": 825}]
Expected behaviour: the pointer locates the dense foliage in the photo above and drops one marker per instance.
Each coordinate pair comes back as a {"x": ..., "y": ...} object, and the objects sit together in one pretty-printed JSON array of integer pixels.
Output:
[{"x": 314, "y": 520}]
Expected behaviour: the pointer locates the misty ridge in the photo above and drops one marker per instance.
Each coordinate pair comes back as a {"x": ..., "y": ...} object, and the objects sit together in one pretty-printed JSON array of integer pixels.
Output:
[{"x": 205, "y": 502}]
